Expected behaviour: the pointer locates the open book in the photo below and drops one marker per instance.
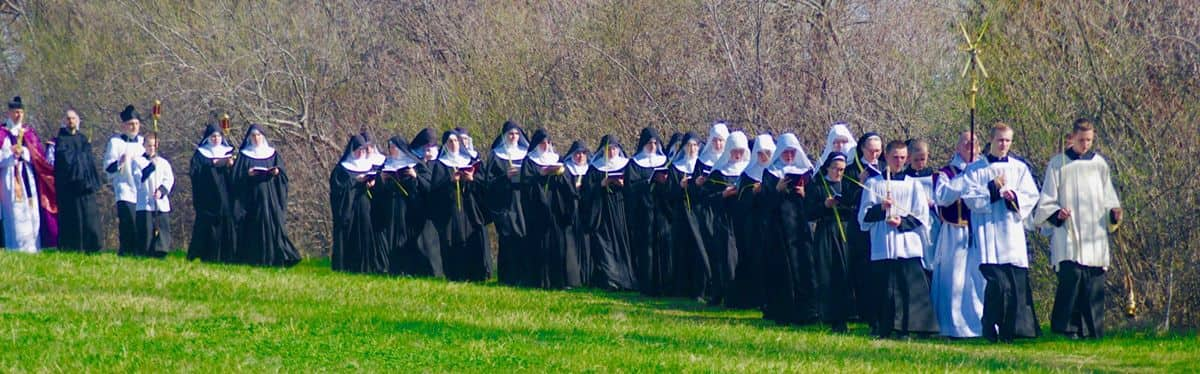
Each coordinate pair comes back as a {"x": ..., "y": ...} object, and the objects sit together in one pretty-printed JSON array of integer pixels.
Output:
[
  {"x": 613, "y": 176},
  {"x": 261, "y": 170},
  {"x": 797, "y": 177}
]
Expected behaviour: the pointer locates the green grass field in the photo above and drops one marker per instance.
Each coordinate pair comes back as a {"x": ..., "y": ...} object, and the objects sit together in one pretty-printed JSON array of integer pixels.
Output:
[{"x": 70, "y": 312}]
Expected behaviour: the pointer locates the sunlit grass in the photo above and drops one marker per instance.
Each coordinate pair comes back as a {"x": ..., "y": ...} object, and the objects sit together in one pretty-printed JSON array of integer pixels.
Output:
[{"x": 70, "y": 312}]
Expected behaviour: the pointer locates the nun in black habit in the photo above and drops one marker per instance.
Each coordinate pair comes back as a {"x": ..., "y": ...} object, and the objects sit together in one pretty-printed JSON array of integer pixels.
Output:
[
  {"x": 457, "y": 214},
  {"x": 749, "y": 210},
  {"x": 350, "y": 193},
  {"x": 648, "y": 198},
  {"x": 578, "y": 234},
  {"x": 717, "y": 192},
  {"x": 402, "y": 181},
  {"x": 825, "y": 204},
  {"x": 422, "y": 254},
  {"x": 214, "y": 237},
  {"x": 690, "y": 270},
  {"x": 787, "y": 259},
  {"x": 612, "y": 268},
  {"x": 673, "y": 145},
  {"x": 548, "y": 200},
  {"x": 502, "y": 197},
  {"x": 260, "y": 192}
]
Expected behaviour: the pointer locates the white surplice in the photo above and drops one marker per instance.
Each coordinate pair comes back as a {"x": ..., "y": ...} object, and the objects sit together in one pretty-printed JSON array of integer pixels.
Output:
[
  {"x": 123, "y": 182},
  {"x": 887, "y": 242},
  {"x": 18, "y": 197},
  {"x": 1085, "y": 187},
  {"x": 161, "y": 179},
  {"x": 999, "y": 232}
]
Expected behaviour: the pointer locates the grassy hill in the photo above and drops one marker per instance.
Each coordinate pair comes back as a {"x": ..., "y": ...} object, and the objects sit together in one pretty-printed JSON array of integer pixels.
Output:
[{"x": 70, "y": 312}]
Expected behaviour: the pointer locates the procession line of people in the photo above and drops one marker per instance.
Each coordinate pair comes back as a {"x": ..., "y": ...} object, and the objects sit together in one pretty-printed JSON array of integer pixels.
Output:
[{"x": 871, "y": 232}]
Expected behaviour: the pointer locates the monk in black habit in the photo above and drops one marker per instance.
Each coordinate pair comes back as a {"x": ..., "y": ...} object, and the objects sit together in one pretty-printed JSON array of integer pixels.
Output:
[
  {"x": 647, "y": 197},
  {"x": 578, "y": 234},
  {"x": 502, "y": 197},
  {"x": 260, "y": 190},
  {"x": 457, "y": 213},
  {"x": 214, "y": 237},
  {"x": 612, "y": 268},
  {"x": 548, "y": 202},
  {"x": 77, "y": 181},
  {"x": 422, "y": 256},
  {"x": 350, "y": 193},
  {"x": 690, "y": 271},
  {"x": 401, "y": 183}
]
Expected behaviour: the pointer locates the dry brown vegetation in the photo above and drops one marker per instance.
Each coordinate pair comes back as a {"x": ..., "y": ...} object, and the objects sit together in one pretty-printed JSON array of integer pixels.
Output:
[{"x": 316, "y": 71}]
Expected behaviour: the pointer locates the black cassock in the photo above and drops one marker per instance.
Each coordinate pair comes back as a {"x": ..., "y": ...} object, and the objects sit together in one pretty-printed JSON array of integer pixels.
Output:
[
  {"x": 214, "y": 237},
  {"x": 355, "y": 248},
  {"x": 77, "y": 181},
  {"x": 718, "y": 234},
  {"x": 831, "y": 261},
  {"x": 260, "y": 205},
  {"x": 787, "y": 254},
  {"x": 549, "y": 209},
  {"x": 456, "y": 213},
  {"x": 751, "y": 209}
]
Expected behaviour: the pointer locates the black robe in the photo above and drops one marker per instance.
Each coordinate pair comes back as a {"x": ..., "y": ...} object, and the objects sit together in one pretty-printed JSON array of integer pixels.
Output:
[
  {"x": 549, "y": 203},
  {"x": 354, "y": 236},
  {"x": 260, "y": 207},
  {"x": 787, "y": 257},
  {"x": 395, "y": 196},
  {"x": 1008, "y": 311},
  {"x": 422, "y": 256},
  {"x": 503, "y": 204},
  {"x": 578, "y": 234},
  {"x": 456, "y": 212},
  {"x": 718, "y": 234},
  {"x": 690, "y": 269},
  {"x": 612, "y": 268},
  {"x": 649, "y": 229},
  {"x": 749, "y": 211},
  {"x": 858, "y": 241},
  {"x": 214, "y": 237},
  {"x": 831, "y": 261},
  {"x": 77, "y": 181}
]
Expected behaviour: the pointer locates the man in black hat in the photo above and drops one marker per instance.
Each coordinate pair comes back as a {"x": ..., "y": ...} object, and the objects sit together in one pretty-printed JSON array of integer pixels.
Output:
[
  {"x": 119, "y": 155},
  {"x": 28, "y": 194}
]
